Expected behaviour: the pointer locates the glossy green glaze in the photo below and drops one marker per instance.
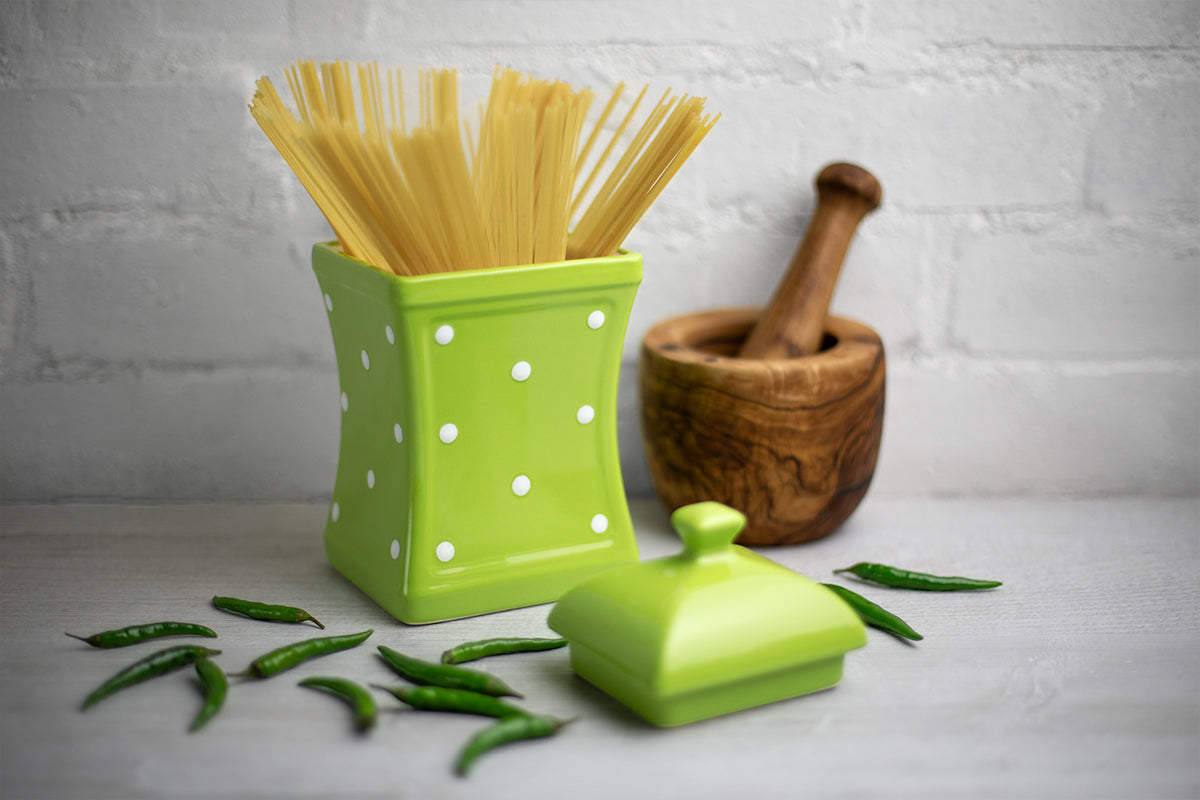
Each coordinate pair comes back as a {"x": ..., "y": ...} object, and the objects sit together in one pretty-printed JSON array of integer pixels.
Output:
[
  {"x": 712, "y": 630},
  {"x": 478, "y": 467}
]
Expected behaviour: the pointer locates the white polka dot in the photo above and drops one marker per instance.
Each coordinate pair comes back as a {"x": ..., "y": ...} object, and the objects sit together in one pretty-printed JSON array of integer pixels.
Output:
[
  {"x": 444, "y": 334},
  {"x": 445, "y": 551},
  {"x": 395, "y": 548},
  {"x": 335, "y": 512},
  {"x": 448, "y": 433},
  {"x": 328, "y": 302},
  {"x": 521, "y": 370},
  {"x": 366, "y": 359},
  {"x": 398, "y": 432},
  {"x": 521, "y": 485},
  {"x": 370, "y": 479},
  {"x": 595, "y": 319},
  {"x": 599, "y": 523},
  {"x": 585, "y": 414},
  {"x": 391, "y": 334},
  {"x": 345, "y": 402}
]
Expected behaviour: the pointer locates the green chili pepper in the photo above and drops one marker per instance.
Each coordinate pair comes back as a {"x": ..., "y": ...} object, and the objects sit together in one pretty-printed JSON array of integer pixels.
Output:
[
  {"x": 290, "y": 655},
  {"x": 470, "y": 651},
  {"x": 355, "y": 696},
  {"x": 906, "y": 579},
  {"x": 427, "y": 673},
  {"x": 153, "y": 665},
  {"x": 874, "y": 615},
  {"x": 123, "y": 637},
  {"x": 509, "y": 729},
  {"x": 264, "y": 611},
  {"x": 458, "y": 701},
  {"x": 216, "y": 685}
]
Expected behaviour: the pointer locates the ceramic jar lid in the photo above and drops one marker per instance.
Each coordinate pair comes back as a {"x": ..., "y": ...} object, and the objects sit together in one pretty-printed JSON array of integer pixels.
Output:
[{"x": 713, "y": 629}]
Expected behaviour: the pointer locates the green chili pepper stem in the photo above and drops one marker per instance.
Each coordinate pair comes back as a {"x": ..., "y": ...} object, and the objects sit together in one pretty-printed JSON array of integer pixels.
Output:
[
  {"x": 505, "y": 731},
  {"x": 472, "y": 651},
  {"x": 132, "y": 634},
  {"x": 216, "y": 686},
  {"x": 359, "y": 699},
  {"x": 428, "y": 673},
  {"x": 457, "y": 701},
  {"x": 153, "y": 665},
  {"x": 264, "y": 611},
  {"x": 896, "y": 578},
  {"x": 873, "y": 614},
  {"x": 288, "y": 656}
]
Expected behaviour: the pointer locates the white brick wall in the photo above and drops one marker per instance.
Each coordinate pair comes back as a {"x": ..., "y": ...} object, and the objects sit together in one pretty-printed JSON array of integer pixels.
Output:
[{"x": 1035, "y": 270}]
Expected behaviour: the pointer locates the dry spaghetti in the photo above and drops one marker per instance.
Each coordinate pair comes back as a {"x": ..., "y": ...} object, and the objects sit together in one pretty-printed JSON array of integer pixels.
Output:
[{"x": 433, "y": 197}]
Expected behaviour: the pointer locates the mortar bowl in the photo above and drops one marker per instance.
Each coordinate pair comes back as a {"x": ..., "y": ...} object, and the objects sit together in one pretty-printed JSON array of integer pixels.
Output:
[{"x": 791, "y": 443}]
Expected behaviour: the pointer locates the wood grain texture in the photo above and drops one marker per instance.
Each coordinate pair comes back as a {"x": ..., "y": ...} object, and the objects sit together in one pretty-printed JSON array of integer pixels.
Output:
[
  {"x": 1076, "y": 680},
  {"x": 793, "y": 323},
  {"x": 791, "y": 443}
]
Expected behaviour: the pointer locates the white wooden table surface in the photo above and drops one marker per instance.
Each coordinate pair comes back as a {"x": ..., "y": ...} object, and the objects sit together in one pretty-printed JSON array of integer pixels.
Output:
[{"x": 1080, "y": 678}]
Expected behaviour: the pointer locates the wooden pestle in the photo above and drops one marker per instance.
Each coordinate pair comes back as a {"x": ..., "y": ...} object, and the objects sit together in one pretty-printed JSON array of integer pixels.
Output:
[{"x": 793, "y": 324}]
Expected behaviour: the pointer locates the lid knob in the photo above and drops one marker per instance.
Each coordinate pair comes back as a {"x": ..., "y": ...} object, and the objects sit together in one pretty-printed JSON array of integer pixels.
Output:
[{"x": 707, "y": 527}]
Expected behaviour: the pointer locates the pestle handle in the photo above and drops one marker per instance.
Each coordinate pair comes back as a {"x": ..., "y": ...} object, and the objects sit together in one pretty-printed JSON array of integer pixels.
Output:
[{"x": 794, "y": 322}]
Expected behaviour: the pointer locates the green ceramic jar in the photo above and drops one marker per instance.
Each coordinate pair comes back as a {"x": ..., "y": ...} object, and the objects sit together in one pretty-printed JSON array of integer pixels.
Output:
[{"x": 478, "y": 468}]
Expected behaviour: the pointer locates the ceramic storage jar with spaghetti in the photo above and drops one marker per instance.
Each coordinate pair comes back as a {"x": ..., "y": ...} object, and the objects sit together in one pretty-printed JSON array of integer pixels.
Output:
[{"x": 478, "y": 333}]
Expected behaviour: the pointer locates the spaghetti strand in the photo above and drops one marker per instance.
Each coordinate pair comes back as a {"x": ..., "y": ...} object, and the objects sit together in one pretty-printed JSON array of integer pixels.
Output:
[{"x": 446, "y": 195}]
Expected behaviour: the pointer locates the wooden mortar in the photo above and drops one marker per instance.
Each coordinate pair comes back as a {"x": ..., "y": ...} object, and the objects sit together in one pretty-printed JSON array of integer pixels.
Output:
[{"x": 778, "y": 412}]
